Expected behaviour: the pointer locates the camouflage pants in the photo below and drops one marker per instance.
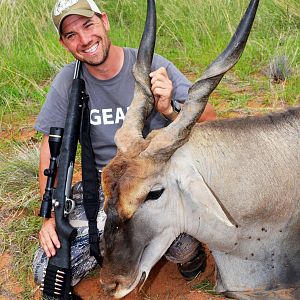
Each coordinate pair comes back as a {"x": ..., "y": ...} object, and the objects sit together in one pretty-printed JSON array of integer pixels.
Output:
[{"x": 182, "y": 250}]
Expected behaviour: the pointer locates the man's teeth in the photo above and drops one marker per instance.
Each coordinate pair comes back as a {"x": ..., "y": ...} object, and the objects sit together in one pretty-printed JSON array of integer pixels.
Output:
[{"x": 92, "y": 49}]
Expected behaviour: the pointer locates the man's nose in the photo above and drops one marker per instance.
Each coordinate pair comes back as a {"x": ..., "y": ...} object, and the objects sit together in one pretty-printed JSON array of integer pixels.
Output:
[{"x": 84, "y": 39}]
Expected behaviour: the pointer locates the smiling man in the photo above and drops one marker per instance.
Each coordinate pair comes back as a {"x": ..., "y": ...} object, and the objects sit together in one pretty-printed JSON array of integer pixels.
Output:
[{"x": 107, "y": 72}]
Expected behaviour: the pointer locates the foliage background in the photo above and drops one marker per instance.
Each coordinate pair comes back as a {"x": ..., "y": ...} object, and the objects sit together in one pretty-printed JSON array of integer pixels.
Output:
[{"x": 191, "y": 33}]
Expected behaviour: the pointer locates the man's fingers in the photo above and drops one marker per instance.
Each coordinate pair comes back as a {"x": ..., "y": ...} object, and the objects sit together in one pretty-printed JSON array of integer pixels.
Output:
[
  {"x": 54, "y": 239},
  {"x": 159, "y": 78},
  {"x": 160, "y": 81},
  {"x": 48, "y": 237},
  {"x": 48, "y": 244},
  {"x": 161, "y": 92},
  {"x": 47, "y": 251},
  {"x": 161, "y": 87},
  {"x": 44, "y": 241},
  {"x": 161, "y": 71},
  {"x": 158, "y": 85},
  {"x": 165, "y": 84}
]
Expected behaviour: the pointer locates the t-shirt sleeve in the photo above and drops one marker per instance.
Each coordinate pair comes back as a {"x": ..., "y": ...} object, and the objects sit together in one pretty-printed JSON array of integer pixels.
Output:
[{"x": 53, "y": 112}]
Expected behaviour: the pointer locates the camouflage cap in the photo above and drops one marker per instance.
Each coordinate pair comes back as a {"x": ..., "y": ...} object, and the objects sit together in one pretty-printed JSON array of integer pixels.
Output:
[{"x": 64, "y": 8}]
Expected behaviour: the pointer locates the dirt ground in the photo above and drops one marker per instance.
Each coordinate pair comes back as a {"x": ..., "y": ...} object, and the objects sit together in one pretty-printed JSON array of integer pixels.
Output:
[
  {"x": 9, "y": 288},
  {"x": 163, "y": 283}
]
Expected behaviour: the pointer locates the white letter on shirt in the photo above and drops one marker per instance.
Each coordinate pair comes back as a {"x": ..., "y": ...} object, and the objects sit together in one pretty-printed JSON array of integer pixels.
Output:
[
  {"x": 95, "y": 119},
  {"x": 119, "y": 115},
  {"x": 107, "y": 114}
]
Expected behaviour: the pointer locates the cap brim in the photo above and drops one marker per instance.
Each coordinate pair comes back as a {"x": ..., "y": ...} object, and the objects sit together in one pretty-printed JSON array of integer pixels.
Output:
[{"x": 80, "y": 12}]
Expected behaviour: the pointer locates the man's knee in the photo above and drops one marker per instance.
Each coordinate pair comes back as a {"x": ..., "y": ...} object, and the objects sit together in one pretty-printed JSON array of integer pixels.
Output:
[
  {"x": 40, "y": 262},
  {"x": 189, "y": 255},
  {"x": 183, "y": 249}
]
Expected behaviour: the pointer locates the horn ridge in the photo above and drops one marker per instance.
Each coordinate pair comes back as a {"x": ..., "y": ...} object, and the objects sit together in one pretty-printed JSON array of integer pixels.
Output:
[
  {"x": 142, "y": 103},
  {"x": 147, "y": 45}
]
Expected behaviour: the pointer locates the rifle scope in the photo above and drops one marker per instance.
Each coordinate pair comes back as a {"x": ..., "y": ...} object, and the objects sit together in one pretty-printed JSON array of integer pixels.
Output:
[{"x": 55, "y": 139}]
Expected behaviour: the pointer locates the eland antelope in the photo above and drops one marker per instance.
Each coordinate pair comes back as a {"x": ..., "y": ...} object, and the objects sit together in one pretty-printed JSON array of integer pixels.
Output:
[{"x": 232, "y": 184}]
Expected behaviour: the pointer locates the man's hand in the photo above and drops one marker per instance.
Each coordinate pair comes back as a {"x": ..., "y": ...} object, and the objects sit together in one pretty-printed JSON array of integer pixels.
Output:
[
  {"x": 162, "y": 87},
  {"x": 48, "y": 237}
]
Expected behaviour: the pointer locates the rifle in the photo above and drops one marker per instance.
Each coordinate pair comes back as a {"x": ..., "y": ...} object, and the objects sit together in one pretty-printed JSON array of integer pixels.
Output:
[{"x": 57, "y": 276}]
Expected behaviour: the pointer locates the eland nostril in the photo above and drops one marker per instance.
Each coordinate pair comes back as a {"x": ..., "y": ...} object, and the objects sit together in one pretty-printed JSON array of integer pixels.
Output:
[
  {"x": 142, "y": 281},
  {"x": 109, "y": 288}
]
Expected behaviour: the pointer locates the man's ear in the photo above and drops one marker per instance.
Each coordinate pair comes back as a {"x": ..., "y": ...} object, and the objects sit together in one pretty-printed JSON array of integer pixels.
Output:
[
  {"x": 63, "y": 44},
  {"x": 105, "y": 21}
]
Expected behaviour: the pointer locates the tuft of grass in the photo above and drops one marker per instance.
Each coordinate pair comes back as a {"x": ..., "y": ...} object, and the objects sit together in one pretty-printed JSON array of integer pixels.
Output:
[
  {"x": 23, "y": 244},
  {"x": 279, "y": 69},
  {"x": 18, "y": 177},
  {"x": 19, "y": 198},
  {"x": 205, "y": 286}
]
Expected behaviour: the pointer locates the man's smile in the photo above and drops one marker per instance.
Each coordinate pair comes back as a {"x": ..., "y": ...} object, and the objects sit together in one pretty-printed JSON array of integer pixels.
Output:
[{"x": 92, "y": 49}]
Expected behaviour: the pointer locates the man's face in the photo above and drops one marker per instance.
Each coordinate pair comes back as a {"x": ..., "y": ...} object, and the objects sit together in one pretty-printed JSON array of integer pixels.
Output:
[{"x": 86, "y": 38}]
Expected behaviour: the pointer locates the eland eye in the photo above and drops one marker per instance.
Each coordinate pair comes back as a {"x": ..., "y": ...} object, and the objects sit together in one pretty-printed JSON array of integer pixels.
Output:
[{"x": 153, "y": 195}]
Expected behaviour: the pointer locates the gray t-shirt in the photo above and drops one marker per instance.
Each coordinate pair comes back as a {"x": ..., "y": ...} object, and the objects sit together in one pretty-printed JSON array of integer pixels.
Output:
[{"x": 109, "y": 101}]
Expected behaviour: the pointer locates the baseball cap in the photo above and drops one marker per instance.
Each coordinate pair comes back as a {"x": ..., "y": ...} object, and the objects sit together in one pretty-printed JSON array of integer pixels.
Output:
[{"x": 64, "y": 8}]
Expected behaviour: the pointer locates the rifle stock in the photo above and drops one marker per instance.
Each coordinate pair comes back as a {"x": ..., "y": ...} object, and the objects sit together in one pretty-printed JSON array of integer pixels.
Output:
[{"x": 57, "y": 279}]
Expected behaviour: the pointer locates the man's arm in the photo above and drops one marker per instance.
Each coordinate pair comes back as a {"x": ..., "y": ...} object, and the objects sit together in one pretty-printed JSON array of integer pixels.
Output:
[
  {"x": 47, "y": 235},
  {"x": 44, "y": 163},
  {"x": 162, "y": 87}
]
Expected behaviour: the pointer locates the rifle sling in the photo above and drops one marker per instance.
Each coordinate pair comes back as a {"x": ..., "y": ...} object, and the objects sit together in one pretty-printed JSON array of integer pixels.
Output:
[{"x": 90, "y": 182}]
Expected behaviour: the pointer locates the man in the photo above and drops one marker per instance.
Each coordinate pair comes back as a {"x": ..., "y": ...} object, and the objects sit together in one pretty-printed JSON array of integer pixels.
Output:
[{"x": 83, "y": 31}]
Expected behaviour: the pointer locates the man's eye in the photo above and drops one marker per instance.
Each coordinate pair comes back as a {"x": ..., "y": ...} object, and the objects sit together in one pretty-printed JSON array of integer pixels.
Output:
[
  {"x": 89, "y": 25},
  {"x": 154, "y": 195},
  {"x": 69, "y": 36}
]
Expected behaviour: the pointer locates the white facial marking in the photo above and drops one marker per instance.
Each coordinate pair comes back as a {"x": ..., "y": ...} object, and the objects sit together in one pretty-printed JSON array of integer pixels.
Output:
[{"x": 157, "y": 187}]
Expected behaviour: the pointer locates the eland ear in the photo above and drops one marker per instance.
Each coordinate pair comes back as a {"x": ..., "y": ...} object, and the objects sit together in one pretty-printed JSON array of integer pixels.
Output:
[{"x": 198, "y": 189}]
